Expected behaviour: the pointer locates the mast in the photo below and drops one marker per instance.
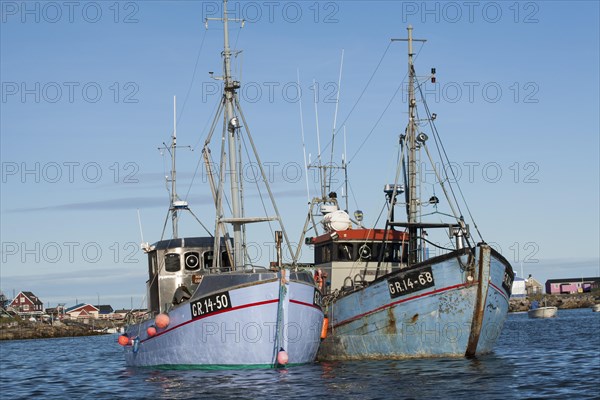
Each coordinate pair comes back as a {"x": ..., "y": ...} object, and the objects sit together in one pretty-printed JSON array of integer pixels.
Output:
[
  {"x": 232, "y": 142},
  {"x": 412, "y": 158},
  {"x": 412, "y": 168},
  {"x": 234, "y": 120}
]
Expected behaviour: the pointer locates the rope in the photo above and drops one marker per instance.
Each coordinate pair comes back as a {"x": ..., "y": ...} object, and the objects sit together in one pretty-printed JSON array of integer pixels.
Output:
[
  {"x": 442, "y": 150},
  {"x": 279, "y": 335}
]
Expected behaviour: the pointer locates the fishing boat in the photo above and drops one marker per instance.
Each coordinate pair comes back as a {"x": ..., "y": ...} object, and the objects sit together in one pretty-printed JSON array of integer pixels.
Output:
[
  {"x": 535, "y": 311},
  {"x": 386, "y": 295},
  {"x": 208, "y": 305}
]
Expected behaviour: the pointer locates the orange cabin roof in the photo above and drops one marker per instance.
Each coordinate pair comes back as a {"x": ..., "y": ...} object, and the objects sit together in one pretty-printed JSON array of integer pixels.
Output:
[{"x": 362, "y": 235}]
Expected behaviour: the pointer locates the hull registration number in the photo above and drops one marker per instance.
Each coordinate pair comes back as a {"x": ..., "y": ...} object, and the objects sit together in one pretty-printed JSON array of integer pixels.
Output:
[
  {"x": 210, "y": 304},
  {"x": 410, "y": 282}
]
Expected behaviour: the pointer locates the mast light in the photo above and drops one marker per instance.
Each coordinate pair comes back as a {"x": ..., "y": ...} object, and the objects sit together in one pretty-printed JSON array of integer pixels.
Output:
[{"x": 358, "y": 214}]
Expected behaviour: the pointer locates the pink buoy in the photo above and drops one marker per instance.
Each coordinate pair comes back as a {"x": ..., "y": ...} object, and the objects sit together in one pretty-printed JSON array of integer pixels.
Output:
[
  {"x": 151, "y": 331},
  {"x": 161, "y": 321},
  {"x": 123, "y": 340},
  {"x": 282, "y": 357}
]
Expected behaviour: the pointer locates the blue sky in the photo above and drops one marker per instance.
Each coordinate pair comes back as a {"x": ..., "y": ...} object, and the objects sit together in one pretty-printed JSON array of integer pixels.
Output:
[{"x": 87, "y": 95}]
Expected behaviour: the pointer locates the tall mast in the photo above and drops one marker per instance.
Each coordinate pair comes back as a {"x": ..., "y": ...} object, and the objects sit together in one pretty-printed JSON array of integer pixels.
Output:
[
  {"x": 413, "y": 208},
  {"x": 412, "y": 168},
  {"x": 232, "y": 142},
  {"x": 174, "y": 217}
]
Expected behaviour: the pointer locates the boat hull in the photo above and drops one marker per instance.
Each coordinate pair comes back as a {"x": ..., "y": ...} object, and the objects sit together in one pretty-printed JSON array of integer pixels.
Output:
[
  {"x": 596, "y": 308},
  {"x": 542, "y": 312},
  {"x": 459, "y": 312},
  {"x": 259, "y": 320}
]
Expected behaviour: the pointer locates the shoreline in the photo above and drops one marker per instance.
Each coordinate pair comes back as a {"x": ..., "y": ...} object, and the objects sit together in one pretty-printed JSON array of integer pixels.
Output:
[
  {"x": 562, "y": 301},
  {"x": 25, "y": 330}
]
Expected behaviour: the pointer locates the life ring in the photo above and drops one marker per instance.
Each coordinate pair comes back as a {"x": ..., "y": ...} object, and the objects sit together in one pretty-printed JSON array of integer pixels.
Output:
[{"x": 319, "y": 278}]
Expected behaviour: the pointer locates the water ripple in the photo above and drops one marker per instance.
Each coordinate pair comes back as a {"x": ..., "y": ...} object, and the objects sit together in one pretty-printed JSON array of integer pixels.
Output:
[{"x": 534, "y": 359}]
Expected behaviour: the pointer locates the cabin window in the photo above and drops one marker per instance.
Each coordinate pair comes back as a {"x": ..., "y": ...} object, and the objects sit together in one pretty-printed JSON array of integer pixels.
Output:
[
  {"x": 345, "y": 252},
  {"x": 172, "y": 263},
  {"x": 152, "y": 263},
  {"x": 393, "y": 252},
  {"x": 225, "y": 260},
  {"x": 323, "y": 253},
  {"x": 207, "y": 259},
  {"x": 192, "y": 261}
]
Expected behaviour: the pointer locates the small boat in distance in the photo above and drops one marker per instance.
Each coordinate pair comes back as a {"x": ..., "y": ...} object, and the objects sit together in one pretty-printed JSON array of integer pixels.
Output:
[
  {"x": 535, "y": 311},
  {"x": 596, "y": 307},
  {"x": 387, "y": 294},
  {"x": 208, "y": 305}
]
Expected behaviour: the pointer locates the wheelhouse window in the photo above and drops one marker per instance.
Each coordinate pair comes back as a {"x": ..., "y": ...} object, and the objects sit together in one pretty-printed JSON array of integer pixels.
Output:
[
  {"x": 323, "y": 253},
  {"x": 345, "y": 252},
  {"x": 152, "y": 263},
  {"x": 207, "y": 259},
  {"x": 225, "y": 260},
  {"x": 172, "y": 262}
]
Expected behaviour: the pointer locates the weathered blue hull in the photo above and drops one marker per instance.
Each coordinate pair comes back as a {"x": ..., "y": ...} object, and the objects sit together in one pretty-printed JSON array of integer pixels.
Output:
[
  {"x": 260, "y": 319},
  {"x": 458, "y": 308}
]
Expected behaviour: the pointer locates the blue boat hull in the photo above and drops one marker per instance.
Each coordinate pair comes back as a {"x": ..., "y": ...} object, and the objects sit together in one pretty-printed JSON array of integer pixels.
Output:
[
  {"x": 260, "y": 320},
  {"x": 459, "y": 311}
]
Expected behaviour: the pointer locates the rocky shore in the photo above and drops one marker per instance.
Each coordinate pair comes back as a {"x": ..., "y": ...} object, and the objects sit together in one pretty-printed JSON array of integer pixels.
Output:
[
  {"x": 20, "y": 329},
  {"x": 16, "y": 329},
  {"x": 563, "y": 301}
]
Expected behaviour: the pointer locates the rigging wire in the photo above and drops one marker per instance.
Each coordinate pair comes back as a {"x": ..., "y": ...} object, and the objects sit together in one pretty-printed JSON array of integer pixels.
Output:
[
  {"x": 260, "y": 195},
  {"x": 384, "y": 111},
  {"x": 193, "y": 78},
  {"x": 362, "y": 93},
  {"x": 442, "y": 150}
]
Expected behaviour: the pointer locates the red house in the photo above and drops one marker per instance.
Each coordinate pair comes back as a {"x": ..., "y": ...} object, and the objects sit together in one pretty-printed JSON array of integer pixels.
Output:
[{"x": 26, "y": 303}]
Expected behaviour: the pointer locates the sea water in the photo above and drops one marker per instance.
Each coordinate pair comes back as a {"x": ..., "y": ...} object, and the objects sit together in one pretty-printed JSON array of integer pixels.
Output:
[{"x": 533, "y": 358}]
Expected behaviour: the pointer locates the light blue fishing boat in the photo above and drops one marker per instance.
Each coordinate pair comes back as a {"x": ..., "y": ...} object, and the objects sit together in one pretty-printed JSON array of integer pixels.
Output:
[
  {"x": 387, "y": 295},
  {"x": 208, "y": 306}
]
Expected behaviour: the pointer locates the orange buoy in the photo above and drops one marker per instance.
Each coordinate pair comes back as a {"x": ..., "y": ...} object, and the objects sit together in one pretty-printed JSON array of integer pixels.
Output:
[
  {"x": 123, "y": 340},
  {"x": 151, "y": 331},
  {"x": 324, "y": 328},
  {"x": 161, "y": 321},
  {"x": 282, "y": 357}
]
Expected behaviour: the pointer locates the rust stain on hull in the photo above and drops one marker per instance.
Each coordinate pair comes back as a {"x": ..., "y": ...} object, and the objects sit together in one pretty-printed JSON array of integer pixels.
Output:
[{"x": 390, "y": 328}]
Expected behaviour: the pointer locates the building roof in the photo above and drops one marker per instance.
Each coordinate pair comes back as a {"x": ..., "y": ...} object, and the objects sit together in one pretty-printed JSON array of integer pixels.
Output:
[
  {"x": 563, "y": 280},
  {"x": 32, "y": 297},
  {"x": 105, "y": 309},
  {"x": 80, "y": 305}
]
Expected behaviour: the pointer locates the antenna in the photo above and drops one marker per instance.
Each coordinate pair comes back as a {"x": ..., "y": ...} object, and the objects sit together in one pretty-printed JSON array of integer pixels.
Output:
[
  {"x": 140, "y": 224},
  {"x": 302, "y": 132},
  {"x": 322, "y": 177},
  {"x": 345, "y": 167},
  {"x": 337, "y": 103}
]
